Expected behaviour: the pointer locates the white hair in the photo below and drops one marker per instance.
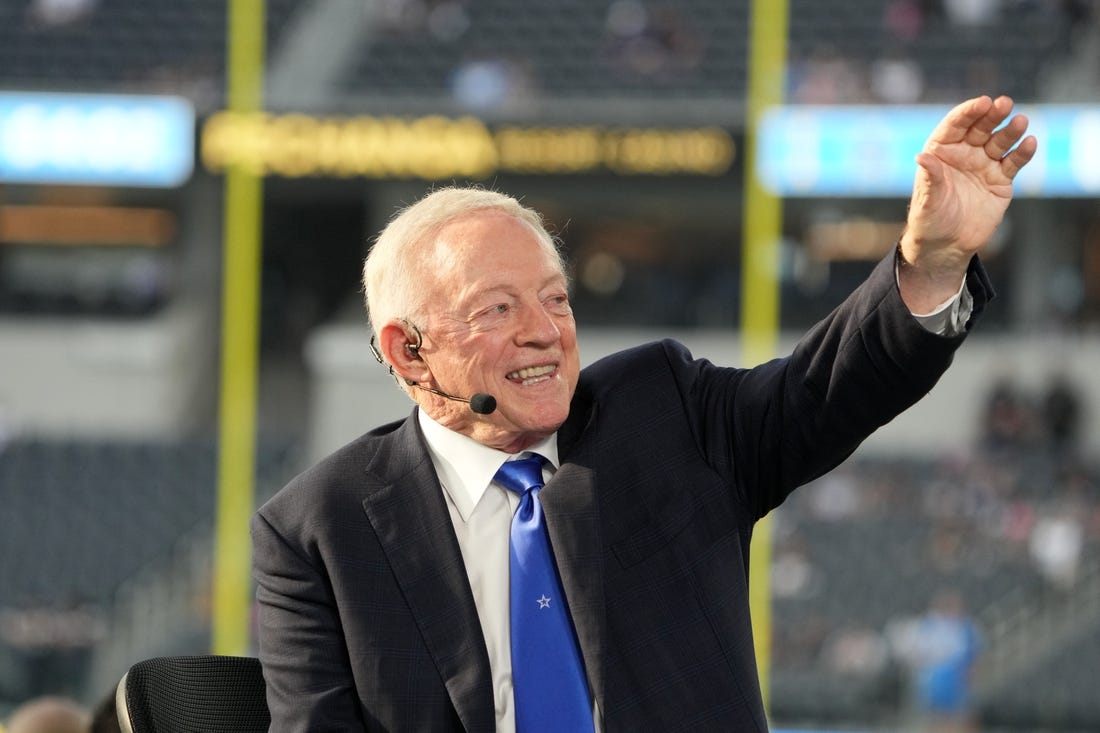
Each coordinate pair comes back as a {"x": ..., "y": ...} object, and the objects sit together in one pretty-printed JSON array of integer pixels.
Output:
[{"x": 393, "y": 272}]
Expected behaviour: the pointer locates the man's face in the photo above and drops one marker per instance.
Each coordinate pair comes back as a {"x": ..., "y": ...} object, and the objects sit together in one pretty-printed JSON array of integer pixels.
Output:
[{"x": 499, "y": 322}]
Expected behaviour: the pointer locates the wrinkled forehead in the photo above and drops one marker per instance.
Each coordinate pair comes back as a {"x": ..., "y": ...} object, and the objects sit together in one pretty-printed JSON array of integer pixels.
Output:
[{"x": 485, "y": 237}]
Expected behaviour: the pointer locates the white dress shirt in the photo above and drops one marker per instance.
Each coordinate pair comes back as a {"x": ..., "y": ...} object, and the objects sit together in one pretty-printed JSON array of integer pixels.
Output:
[
  {"x": 481, "y": 511},
  {"x": 949, "y": 317}
]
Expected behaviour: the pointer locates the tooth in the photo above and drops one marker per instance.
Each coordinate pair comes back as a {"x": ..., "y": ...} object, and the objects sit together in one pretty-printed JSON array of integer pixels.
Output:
[{"x": 528, "y": 372}]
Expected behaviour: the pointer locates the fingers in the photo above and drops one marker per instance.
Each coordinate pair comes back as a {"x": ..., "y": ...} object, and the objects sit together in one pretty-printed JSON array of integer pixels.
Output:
[
  {"x": 973, "y": 121},
  {"x": 957, "y": 124},
  {"x": 981, "y": 129},
  {"x": 1020, "y": 156},
  {"x": 1002, "y": 140},
  {"x": 980, "y": 123},
  {"x": 1002, "y": 144}
]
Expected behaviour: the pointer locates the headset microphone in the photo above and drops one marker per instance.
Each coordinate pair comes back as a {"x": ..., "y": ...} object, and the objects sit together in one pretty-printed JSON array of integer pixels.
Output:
[
  {"x": 479, "y": 402},
  {"x": 483, "y": 404}
]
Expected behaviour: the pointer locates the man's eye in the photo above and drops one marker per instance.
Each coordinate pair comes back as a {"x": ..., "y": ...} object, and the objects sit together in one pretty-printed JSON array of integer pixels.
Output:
[{"x": 496, "y": 310}]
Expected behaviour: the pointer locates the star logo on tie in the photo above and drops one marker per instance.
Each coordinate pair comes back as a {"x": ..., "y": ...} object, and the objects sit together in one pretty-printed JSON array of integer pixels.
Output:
[{"x": 543, "y": 602}]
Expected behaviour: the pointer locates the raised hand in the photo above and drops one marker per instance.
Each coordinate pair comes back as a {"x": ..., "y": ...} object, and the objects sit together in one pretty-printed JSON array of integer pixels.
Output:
[{"x": 962, "y": 188}]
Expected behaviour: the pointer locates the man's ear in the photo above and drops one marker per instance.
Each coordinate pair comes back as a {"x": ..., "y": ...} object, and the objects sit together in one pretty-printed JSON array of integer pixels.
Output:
[{"x": 399, "y": 344}]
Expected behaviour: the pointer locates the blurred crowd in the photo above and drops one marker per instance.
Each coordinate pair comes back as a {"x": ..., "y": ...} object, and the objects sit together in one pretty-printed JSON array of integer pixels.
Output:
[
  {"x": 897, "y": 70},
  {"x": 889, "y": 57},
  {"x": 933, "y": 551}
]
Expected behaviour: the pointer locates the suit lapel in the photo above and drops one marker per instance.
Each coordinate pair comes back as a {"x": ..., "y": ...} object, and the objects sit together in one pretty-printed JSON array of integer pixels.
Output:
[{"x": 409, "y": 515}]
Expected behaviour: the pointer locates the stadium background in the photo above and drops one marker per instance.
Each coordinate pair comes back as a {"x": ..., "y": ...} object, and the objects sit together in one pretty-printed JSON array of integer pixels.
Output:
[{"x": 624, "y": 121}]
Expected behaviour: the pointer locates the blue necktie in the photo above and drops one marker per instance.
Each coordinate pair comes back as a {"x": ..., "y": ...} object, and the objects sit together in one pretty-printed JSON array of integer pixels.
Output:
[{"x": 551, "y": 693}]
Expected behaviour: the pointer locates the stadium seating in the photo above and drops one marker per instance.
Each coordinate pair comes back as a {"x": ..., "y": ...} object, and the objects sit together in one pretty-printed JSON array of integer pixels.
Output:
[
  {"x": 569, "y": 48},
  {"x": 693, "y": 48},
  {"x": 80, "y": 518},
  {"x": 157, "y": 46}
]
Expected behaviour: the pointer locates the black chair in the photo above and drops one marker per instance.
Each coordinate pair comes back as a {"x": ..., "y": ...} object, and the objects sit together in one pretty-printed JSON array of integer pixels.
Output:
[{"x": 193, "y": 694}]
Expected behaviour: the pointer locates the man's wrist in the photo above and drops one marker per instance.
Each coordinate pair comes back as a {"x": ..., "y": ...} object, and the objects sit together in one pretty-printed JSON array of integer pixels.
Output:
[
  {"x": 925, "y": 285},
  {"x": 947, "y": 317}
]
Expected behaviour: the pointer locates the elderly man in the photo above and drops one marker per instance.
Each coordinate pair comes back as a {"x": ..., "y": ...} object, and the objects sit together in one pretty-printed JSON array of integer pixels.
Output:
[{"x": 540, "y": 547}]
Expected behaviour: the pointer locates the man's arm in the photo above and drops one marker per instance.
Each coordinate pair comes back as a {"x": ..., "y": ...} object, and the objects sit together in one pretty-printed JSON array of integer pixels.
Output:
[
  {"x": 782, "y": 423},
  {"x": 305, "y": 660},
  {"x": 962, "y": 188}
]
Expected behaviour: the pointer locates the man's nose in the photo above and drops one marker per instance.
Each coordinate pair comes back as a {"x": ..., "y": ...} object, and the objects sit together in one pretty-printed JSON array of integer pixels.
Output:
[{"x": 538, "y": 326}]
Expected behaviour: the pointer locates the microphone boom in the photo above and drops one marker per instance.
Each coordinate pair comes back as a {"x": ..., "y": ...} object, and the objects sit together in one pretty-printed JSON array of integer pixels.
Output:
[{"x": 480, "y": 402}]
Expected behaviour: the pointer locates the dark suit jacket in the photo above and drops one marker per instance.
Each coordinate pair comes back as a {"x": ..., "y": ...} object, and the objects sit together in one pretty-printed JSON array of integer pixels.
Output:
[{"x": 366, "y": 614}]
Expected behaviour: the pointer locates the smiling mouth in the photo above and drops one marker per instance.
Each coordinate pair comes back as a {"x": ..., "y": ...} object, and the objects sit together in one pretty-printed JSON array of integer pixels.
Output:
[{"x": 532, "y": 375}]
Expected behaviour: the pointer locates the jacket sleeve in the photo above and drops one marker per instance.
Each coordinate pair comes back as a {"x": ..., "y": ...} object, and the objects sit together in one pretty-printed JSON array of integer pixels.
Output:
[
  {"x": 776, "y": 426},
  {"x": 301, "y": 645}
]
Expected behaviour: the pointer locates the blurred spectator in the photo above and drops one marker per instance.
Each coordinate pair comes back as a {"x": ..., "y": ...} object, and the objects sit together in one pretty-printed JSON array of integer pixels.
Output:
[
  {"x": 857, "y": 650},
  {"x": 1057, "y": 539},
  {"x": 398, "y": 16},
  {"x": 1013, "y": 421},
  {"x": 826, "y": 77},
  {"x": 650, "y": 42},
  {"x": 897, "y": 78},
  {"x": 57, "y": 13},
  {"x": 903, "y": 20},
  {"x": 48, "y": 715},
  {"x": 835, "y": 497},
  {"x": 940, "y": 649},
  {"x": 972, "y": 13},
  {"x": 491, "y": 83},
  {"x": 445, "y": 20},
  {"x": 793, "y": 575},
  {"x": 1008, "y": 420},
  {"x": 1061, "y": 414}
]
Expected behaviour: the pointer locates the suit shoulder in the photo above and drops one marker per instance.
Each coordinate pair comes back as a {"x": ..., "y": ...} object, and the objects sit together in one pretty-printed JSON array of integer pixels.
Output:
[
  {"x": 652, "y": 355},
  {"x": 337, "y": 479},
  {"x": 638, "y": 363}
]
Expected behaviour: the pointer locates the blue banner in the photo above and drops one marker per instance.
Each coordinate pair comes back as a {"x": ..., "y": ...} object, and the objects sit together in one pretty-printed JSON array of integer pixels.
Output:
[
  {"x": 96, "y": 139},
  {"x": 869, "y": 151}
]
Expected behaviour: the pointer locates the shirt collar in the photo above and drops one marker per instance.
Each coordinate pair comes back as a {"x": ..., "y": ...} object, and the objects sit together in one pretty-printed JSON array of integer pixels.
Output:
[{"x": 465, "y": 467}]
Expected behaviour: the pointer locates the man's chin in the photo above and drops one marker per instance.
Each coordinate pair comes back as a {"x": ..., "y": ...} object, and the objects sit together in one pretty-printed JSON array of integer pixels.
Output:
[
  {"x": 542, "y": 416},
  {"x": 522, "y": 431}
]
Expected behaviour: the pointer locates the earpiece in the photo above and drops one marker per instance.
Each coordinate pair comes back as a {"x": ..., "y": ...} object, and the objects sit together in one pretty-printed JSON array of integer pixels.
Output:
[{"x": 480, "y": 402}]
